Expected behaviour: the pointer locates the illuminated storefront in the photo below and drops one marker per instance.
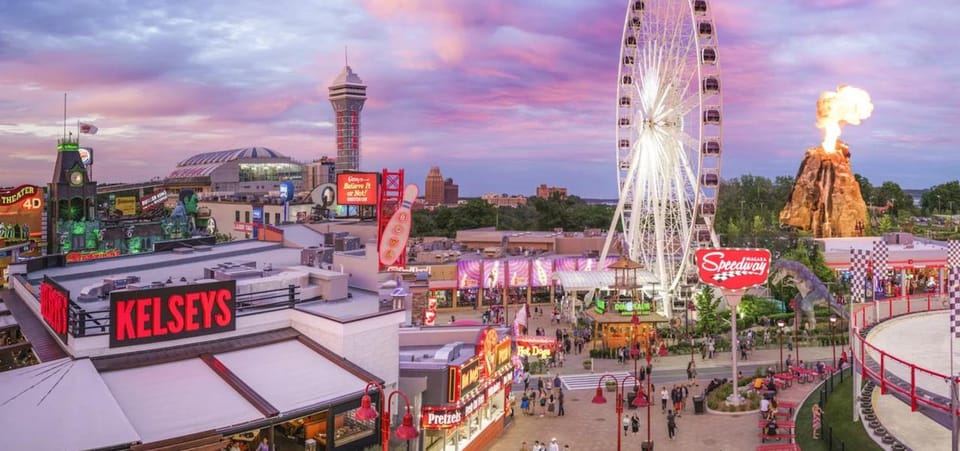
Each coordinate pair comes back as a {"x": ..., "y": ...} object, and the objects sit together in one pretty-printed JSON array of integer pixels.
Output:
[
  {"x": 21, "y": 216},
  {"x": 477, "y": 394},
  {"x": 483, "y": 283}
]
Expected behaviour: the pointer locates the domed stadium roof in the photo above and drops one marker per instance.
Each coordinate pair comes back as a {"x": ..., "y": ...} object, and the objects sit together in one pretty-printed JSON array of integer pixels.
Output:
[{"x": 223, "y": 156}]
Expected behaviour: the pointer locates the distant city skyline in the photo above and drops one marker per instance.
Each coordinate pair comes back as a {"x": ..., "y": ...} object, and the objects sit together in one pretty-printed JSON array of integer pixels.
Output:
[{"x": 501, "y": 95}]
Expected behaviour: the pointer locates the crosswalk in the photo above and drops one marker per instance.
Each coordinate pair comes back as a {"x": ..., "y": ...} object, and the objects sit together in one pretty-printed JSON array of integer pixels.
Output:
[{"x": 586, "y": 381}]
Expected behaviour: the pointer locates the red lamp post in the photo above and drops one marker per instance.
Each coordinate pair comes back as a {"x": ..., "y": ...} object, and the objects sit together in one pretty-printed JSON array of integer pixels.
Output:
[
  {"x": 598, "y": 398},
  {"x": 634, "y": 349},
  {"x": 406, "y": 430},
  {"x": 649, "y": 383},
  {"x": 833, "y": 339}
]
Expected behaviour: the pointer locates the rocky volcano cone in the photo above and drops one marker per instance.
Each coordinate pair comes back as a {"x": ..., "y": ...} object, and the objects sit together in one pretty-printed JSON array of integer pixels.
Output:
[{"x": 826, "y": 199}]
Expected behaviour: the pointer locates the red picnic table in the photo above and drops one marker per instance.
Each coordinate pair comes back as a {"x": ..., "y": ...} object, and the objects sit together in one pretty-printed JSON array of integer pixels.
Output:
[
  {"x": 786, "y": 377},
  {"x": 781, "y": 424},
  {"x": 787, "y": 405},
  {"x": 778, "y": 447}
]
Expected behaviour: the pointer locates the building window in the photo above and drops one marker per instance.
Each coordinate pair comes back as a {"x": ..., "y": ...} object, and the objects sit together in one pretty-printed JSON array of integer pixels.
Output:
[
  {"x": 266, "y": 218},
  {"x": 276, "y": 218},
  {"x": 237, "y": 216},
  {"x": 246, "y": 216}
]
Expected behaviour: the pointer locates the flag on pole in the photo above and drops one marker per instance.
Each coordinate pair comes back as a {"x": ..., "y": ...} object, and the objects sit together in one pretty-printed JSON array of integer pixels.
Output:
[{"x": 88, "y": 129}]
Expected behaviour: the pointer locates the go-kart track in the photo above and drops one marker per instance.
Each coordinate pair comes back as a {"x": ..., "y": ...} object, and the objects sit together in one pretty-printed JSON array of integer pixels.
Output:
[{"x": 922, "y": 339}]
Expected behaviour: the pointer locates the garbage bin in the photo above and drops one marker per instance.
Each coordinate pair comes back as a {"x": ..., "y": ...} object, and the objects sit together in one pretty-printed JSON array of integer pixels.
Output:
[
  {"x": 646, "y": 446},
  {"x": 698, "y": 405}
]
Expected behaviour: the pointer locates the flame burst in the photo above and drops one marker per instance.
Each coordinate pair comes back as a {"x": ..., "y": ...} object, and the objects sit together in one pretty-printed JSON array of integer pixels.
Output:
[{"x": 848, "y": 105}]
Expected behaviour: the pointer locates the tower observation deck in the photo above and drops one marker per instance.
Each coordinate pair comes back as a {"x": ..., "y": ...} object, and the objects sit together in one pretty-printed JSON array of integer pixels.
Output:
[{"x": 347, "y": 95}]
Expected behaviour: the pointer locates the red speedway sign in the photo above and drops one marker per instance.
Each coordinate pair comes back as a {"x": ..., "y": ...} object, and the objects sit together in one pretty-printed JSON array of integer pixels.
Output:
[{"x": 733, "y": 268}]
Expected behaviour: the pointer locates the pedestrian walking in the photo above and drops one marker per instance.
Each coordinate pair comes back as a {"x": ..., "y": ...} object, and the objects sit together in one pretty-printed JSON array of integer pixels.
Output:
[
  {"x": 671, "y": 425},
  {"x": 560, "y": 411},
  {"x": 635, "y": 424},
  {"x": 664, "y": 397},
  {"x": 626, "y": 424},
  {"x": 554, "y": 446},
  {"x": 692, "y": 372}
]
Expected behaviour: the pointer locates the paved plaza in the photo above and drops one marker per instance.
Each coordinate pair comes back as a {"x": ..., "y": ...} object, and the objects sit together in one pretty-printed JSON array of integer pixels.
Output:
[{"x": 587, "y": 426}]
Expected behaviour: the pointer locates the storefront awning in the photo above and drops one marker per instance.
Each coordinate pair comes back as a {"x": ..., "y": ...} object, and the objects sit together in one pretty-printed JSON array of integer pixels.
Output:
[
  {"x": 179, "y": 398},
  {"x": 587, "y": 280},
  {"x": 60, "y": 404},
  {"x": 291, "y": 376}
]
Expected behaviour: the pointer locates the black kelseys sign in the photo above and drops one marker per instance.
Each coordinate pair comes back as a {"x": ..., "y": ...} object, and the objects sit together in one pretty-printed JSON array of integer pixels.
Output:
[{"x": 170, "y": 313}]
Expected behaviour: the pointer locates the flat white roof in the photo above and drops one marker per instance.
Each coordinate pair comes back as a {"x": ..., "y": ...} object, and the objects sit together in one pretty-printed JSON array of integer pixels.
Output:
[
  {"x": 586, "y": 280},
  {"x": 178, "y": 398},
  {"x": 290, "y": 376},
  {"x": 60, "y": 404}
]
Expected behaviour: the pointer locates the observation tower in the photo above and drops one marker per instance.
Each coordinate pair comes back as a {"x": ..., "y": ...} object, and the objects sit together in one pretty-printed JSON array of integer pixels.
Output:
[{"x": 347, "y": 95}]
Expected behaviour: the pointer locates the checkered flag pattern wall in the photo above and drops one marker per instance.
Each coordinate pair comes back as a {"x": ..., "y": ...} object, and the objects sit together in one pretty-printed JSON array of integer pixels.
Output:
[
  {"x": 953, "y": 254},
  {"x": 953, "y": 285},
  {"x": 880, "y": 254},
  {"x": 858, "y": 266},
  {"x": 953, "y": 292}
]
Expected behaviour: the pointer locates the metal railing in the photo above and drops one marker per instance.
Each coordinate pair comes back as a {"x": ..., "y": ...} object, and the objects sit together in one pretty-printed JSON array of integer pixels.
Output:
[
  {"x": 831, "y": 441},
  {"x": 912, "y": 382},
  {"x": 89, "y": 323}
]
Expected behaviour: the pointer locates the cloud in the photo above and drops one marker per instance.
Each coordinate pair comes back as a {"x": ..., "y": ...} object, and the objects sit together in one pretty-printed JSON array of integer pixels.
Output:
[{"x": 500, "y": 93}]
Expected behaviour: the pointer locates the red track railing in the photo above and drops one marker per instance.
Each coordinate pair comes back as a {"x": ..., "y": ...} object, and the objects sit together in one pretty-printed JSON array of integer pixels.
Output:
[{"x": 868, "y": 314}]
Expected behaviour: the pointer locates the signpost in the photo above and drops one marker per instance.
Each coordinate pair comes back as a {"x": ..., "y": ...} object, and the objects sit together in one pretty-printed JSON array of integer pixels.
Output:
[{"x": 733, "y": 271}]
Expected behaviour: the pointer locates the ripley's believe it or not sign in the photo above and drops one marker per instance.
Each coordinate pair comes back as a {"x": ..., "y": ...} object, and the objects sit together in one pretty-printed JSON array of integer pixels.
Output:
[
  {"x": 357, "y": 188},
  {"x": 170, "y": 313},
  {"x": 733, "y": 269}
]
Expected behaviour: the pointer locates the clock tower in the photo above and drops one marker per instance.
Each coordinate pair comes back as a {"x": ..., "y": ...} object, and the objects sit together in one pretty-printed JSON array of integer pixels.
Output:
[{"x": 72, "y": 194}]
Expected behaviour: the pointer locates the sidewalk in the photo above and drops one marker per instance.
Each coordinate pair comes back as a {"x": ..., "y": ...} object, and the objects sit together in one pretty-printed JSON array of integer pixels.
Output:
[{"x": 587, "y": 426}]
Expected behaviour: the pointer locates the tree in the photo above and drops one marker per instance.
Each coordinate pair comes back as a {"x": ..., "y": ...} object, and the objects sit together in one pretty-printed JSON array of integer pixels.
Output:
[
  {"x": 708, "y": 317},
  {"x": 866, "y": 189},
  {"x": 890, "y": 191},
  {"x": 941, "y": 198},
  {"x": 755, "y": 307}
]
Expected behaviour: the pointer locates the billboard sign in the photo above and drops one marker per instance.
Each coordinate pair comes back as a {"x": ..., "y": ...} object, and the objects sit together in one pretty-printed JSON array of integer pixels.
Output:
[
  {"x": 733, "y": 268},
  {"x": 54, "y": 300},
  {"x": 151, "y": 201},
  {"x": 286, "y": 191},
  {"x": 21, "y": 213},
  {"x": 86, "y": 156},
  {"x": 397, "y": 232},
  {"x": 169, "y": 313},
  {"x": 126, "y": 204},
  {"x": 357, "y": 188}
]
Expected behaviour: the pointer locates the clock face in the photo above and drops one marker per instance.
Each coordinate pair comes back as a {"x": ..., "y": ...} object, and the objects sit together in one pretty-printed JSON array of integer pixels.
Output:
[{"x": 76, "y": 178}]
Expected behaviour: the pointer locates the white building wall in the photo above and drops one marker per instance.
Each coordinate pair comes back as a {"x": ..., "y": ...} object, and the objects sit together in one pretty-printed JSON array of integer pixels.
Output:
[{"x": 362, "y": 268}]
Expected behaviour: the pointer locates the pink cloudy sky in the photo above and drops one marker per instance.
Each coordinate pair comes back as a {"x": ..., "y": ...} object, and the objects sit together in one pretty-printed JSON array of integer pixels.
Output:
[{"x": 501, "y": 94}]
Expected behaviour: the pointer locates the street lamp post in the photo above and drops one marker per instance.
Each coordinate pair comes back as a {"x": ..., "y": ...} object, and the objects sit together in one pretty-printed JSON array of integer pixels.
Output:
[
  {"x": 686, "y": 292},
  {"x": 649, "y": 395},
  {"x": 620, "y": 391},
  {"x": 780, "y": 324},
  {"x": 634, "y": 350},
  {"x": 406, "y": 430},
  {"x": 833, "y": 339}
]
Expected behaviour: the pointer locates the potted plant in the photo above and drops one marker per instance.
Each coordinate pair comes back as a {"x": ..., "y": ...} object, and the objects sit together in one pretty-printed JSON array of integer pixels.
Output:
[
  {"x": 611, "y": 385},
  {"x": 587, "y": 364}
]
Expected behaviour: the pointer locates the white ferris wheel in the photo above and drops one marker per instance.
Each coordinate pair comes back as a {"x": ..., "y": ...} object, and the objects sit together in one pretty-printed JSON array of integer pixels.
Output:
[{"x": 669, "y": 115}]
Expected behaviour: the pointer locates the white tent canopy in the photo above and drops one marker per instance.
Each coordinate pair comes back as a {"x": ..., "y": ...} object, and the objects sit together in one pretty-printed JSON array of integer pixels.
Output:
[
  {"x": 61, "y": 404},
  {"x": 589, "y": 280}
]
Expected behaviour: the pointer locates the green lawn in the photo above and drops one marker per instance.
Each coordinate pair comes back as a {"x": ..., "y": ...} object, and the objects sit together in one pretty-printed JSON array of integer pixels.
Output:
[{"x": 836, "y": 414}]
